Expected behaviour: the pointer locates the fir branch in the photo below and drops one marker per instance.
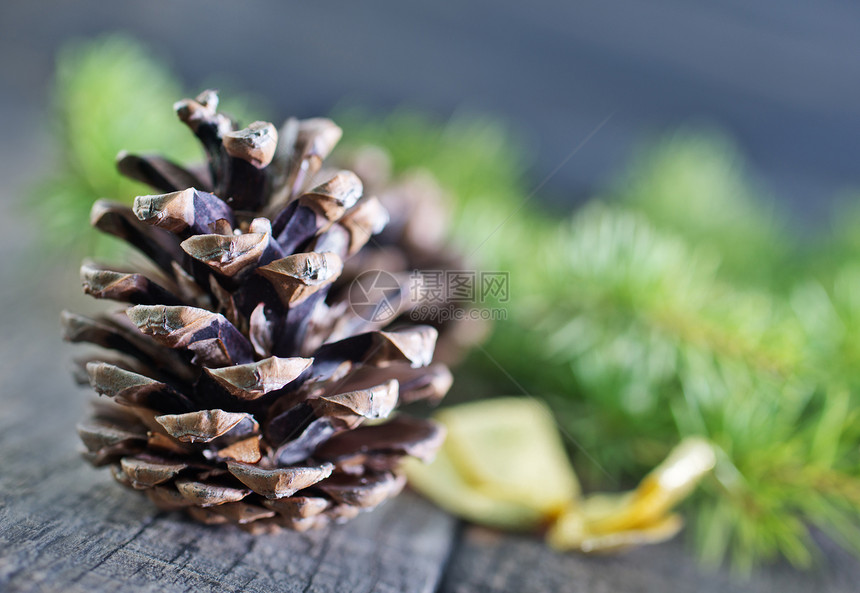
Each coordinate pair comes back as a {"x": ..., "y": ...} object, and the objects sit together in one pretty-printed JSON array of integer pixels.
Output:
[{"x": 629, "y": 322}]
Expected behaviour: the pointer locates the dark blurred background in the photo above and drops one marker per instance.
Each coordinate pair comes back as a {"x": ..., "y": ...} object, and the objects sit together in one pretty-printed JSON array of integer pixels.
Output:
[{"x": 781, "y": 77}]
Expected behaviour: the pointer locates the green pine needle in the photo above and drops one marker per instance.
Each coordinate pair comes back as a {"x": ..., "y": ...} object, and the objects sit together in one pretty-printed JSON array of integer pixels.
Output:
[{"x": 645, "y": 344}]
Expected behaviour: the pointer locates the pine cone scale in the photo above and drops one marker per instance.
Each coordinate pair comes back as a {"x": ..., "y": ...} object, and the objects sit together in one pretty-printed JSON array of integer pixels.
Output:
[{"x": 237, "y": 378}]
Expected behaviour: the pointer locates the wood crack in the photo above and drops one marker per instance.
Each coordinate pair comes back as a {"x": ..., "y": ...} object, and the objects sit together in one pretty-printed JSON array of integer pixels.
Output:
[
  {"x": 324, "y": 547},
  {"x": 454, "y": 547},
  {"x": 144, "y": 526},
  {"x": 241, "y": 558}
]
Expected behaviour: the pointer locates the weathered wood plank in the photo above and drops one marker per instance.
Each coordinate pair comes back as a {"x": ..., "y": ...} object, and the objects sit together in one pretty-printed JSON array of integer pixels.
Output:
[
  {"x": 65, "y": 526},
  {"x": 120, "y": 544},
  {"x": 488, "y": 562}
]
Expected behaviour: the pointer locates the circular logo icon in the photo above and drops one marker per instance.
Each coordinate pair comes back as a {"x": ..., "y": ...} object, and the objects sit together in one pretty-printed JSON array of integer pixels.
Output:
[{"x": 375, "y": 296}]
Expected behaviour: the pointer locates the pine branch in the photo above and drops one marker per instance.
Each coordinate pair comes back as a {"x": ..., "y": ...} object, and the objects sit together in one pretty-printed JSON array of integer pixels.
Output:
[{"x": 629, "y": 323}]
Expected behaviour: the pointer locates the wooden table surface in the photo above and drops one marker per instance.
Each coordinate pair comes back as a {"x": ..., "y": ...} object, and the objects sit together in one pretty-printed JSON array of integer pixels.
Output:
[{"x": 65, "y": 526}]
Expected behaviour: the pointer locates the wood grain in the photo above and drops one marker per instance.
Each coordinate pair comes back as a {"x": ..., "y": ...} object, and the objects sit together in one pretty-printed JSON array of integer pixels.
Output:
[
  {"x": 65, "y": 526},
  {"x": 485, "y": 561},
  {"x": 68, "y": 527}
]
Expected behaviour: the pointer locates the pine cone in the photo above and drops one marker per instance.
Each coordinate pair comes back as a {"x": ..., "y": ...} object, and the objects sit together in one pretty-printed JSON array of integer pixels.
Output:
[
  {"x": 236, "y": 389},
  {"x": 413, "y": 245}
]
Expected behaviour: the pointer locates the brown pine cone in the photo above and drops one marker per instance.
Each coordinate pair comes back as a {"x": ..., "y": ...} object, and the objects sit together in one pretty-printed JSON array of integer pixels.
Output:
[
  {"x": 238, "y": 388},
  {"x": 415, "y": 248}
]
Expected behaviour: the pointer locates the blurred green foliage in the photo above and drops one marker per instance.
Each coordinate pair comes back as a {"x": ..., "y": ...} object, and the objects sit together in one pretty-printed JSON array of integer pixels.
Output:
[
  {"x": 641, "y": 344},
  {"x": 693, "y": 182},
  {"x": 110, "y": 94},
  {"x": 678, "y": 304},
  {"x": 476, "y": 158}
]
